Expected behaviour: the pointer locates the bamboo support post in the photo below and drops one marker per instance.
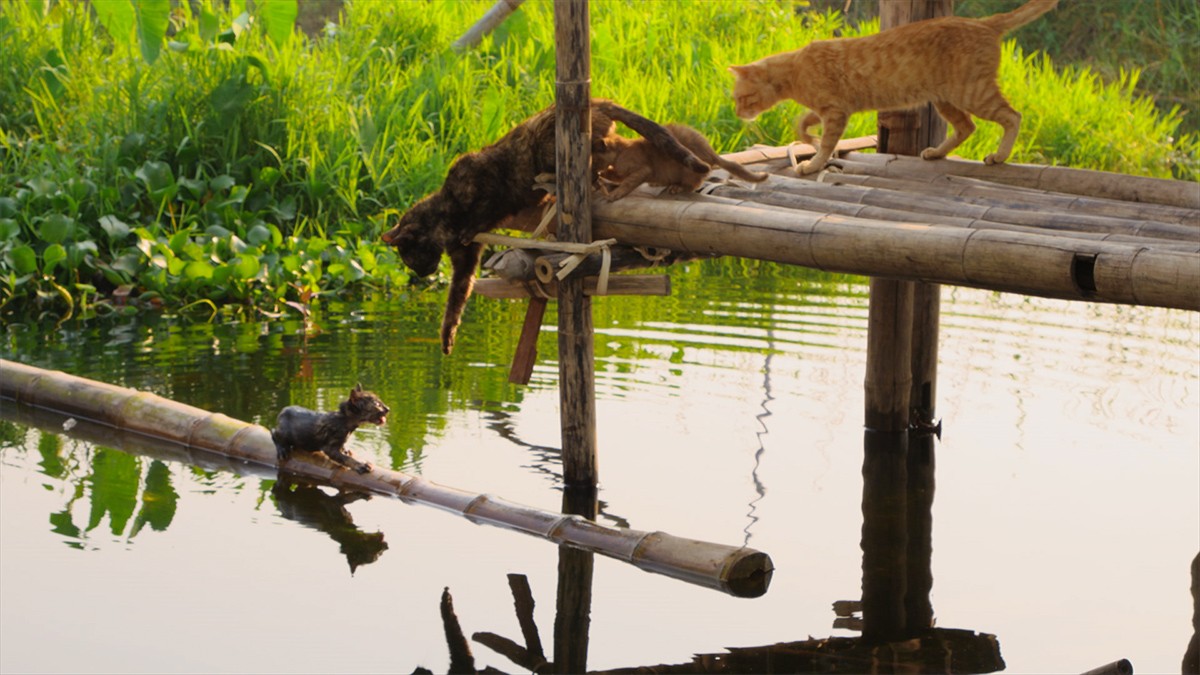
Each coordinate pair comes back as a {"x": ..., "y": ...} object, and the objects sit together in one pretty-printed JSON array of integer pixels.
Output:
[
  {"x": 576, "y": 366},
  {"x": 493, "y": 18},
  {"x": 736, "y": 570}
]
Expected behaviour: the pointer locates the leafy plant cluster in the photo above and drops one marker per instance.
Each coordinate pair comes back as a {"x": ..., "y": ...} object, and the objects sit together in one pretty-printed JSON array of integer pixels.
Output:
[{"x": 237, "y": 166}]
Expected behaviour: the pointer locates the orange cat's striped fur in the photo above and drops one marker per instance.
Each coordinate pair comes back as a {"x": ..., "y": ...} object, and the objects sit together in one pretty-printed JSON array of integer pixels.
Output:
[{"x": 951, "y": 61}]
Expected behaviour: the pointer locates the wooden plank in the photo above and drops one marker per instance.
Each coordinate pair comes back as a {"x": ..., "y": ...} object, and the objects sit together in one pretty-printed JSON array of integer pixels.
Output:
[{"x": 526, "y": 353}]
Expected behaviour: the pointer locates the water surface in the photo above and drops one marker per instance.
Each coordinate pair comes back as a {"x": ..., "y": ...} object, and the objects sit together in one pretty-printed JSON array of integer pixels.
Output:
[{"x": 1066, "y": 514}]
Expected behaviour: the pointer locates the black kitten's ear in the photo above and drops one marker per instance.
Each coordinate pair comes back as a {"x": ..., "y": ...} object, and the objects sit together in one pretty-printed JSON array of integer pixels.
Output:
[{"x": 356, "y": 390}]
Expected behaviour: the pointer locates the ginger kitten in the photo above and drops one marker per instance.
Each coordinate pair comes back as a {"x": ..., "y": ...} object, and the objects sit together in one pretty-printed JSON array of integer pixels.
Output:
[
  {"x": 952, "y": 62},
  {"x": 629, "y": 162}
]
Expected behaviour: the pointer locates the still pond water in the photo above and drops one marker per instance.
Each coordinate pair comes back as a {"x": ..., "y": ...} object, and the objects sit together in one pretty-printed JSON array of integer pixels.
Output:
[{"x": 1066, "y": 515}]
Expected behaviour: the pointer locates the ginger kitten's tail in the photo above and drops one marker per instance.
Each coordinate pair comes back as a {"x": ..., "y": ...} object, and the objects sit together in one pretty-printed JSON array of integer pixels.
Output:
[{"x": 1021, "y": 15}]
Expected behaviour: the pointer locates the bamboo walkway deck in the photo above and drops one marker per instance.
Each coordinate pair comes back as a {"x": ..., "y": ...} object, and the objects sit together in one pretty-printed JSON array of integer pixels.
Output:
[{"x": 1044, "y": 231}]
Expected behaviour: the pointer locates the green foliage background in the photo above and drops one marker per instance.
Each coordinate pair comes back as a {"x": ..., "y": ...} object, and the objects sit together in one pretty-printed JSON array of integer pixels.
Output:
[{"x": 247, "y": 169}]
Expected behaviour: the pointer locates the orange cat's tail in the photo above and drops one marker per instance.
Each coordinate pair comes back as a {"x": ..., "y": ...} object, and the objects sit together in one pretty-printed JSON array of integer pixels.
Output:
[{"x": 1021, "y": 15}]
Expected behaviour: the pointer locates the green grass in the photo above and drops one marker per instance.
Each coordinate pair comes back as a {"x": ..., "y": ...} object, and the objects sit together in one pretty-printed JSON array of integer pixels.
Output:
[{"x": 237, "y": 175}]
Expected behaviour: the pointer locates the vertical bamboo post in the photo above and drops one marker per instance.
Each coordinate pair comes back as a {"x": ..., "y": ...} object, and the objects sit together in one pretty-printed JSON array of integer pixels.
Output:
[
  {"x": 576, "y": 368},
  {"x": 895, "y": 361},
  {"x": 908, "y": 133}
]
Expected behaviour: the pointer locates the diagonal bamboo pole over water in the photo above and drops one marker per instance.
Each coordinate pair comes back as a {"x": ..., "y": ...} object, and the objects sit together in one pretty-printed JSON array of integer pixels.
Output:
[{"x": 736, "y": 570}]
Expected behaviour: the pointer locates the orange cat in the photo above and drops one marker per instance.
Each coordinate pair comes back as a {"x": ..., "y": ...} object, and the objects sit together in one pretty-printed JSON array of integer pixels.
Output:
[{"x": 951, "y": 61}]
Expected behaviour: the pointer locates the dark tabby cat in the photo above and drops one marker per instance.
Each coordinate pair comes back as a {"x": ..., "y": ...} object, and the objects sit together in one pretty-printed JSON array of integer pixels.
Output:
[
  {"x": 633, "y": 161},
  {"x": 299, "y": 428},
  {"x": 484, "y": 188}
]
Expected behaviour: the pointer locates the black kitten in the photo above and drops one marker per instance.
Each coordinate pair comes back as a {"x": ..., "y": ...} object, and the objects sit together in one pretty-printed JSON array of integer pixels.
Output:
[{"x": 299, "y": 428}]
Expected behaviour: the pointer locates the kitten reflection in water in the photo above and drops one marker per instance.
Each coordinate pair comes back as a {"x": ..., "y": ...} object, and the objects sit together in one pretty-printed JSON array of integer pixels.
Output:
[{"x": 309, "y": 505}]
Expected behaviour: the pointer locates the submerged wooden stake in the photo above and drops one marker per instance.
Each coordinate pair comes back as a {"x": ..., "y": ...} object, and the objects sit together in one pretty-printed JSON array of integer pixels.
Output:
[{"x": 736, "y": 570}]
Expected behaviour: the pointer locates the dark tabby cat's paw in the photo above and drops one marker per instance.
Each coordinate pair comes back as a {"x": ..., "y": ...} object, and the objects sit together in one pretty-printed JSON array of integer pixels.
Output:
[{"x": 363, "y": 467}]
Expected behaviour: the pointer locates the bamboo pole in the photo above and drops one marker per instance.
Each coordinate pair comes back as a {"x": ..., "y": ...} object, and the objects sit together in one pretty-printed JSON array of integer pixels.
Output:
[
  {"x": 957, "y": 190},
  {"x": 1040, "y": 223},
  {"x": 576, "y": 364},
  {"x": 1086, "y": 182},
  {"x": 736, "y": 570},
  {"x": 1032, "y": 212},
  {"x": 1014, "y": 262},
  {"x": 494, "y": 17}
]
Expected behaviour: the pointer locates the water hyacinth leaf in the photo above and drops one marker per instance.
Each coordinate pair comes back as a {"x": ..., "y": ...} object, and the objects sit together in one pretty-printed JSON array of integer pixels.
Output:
[
  {"x": 195, "y": 187},
  {"x": 268, "y": 176},
  {"x": 155, "y": 175},
  {"x": 279, "y": 17},
  {"x": 8, "y": 207},
  {"x": 114, "y": 227},
  {"x": 132, "y": 145},
  {"x": 52, "y": 256},
  {"x": 9, "y": 229},
  {"x": 128, "y": 264},
  {"x": 117, "y": 18},
  {"x": 221, "y": 274},
  {"x": 285, "y": 210},
  {"x": 23, "y": 259},
  {"x": 56, "y": 228},
  {"x": 177, "y": 46},
  {"x": 258, "y": 235},
  {"x": 231, "y": 96},
  {"x": 152, "y": 19},
  {"x": 78, "y": 252},
  {"x": 80, "y": 189},
  {"x": 179, "y": 240},
  {"x": 42, "y": 188},
  {"x": 241, "y": 23},
  {"x": 198, "y": 269},
  {"x": 222, "y": 183},
  {"x": 217, "y": 231},
  {"x": 246, "y": 267},
  {"x": 209, "y": 25}
]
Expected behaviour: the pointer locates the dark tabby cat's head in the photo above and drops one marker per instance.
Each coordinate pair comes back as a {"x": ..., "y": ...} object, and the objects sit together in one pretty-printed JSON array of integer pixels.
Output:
[
  {"x": 365, "y": 406},
  {"x": 419, "y": 251}
]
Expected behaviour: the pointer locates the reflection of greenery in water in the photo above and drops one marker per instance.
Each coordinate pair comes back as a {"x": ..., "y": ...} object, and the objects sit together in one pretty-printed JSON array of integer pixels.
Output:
[
  {"x": 112, "y": 486},
  {"x": 251, "y": 370}
]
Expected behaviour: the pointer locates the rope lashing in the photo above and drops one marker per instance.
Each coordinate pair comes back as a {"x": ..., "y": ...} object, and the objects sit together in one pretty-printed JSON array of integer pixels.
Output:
[{"x": 578, "y": 252}]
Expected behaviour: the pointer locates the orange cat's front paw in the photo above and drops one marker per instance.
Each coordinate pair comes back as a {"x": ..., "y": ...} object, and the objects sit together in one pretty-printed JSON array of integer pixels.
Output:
[
  {"x": 994, "y": 158},
  {"x": 931, "y": 153},
  {"x": 808, "y": 166}
]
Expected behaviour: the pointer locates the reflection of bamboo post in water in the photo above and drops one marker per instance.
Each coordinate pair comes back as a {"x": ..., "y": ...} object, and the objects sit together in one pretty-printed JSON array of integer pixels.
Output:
[
  {"x": 1191, "y": 657},
  {"x": 884, "y": 536},
  {"x": 572, "y": 619}
]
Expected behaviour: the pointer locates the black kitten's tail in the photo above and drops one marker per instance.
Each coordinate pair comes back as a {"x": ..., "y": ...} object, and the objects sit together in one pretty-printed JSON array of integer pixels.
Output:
[{"x": 653, "y": 132}]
